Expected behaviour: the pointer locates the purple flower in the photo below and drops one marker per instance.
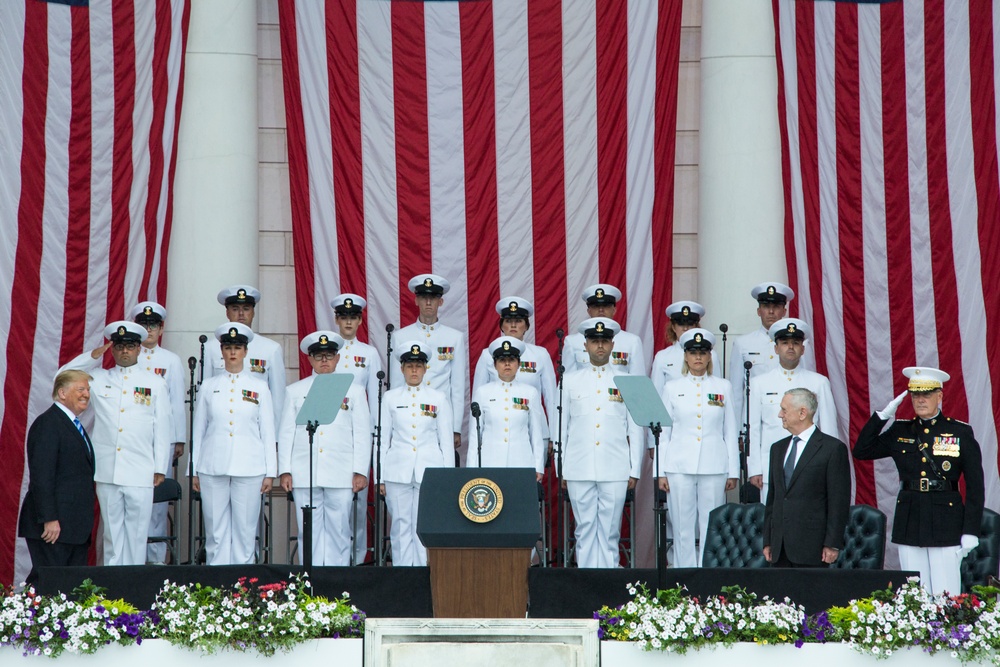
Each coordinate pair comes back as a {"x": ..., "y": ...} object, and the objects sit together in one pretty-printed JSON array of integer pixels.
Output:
[{"x": 600, "y": 633}]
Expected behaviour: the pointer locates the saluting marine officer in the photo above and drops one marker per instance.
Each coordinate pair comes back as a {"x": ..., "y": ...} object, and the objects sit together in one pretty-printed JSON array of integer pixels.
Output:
[
  {"x": 264, "y": 359},
  {"x": 131, "y": 438},
  {"x": 341, "y": 452},
  {"x": 933, "y": 528},
  {"x": 417, "y": 431},
  {"x": 154, "y": 358},
  {"x": 628, "y": 356},
  {"x": 447, "y": 359},
  {"x": 603, "y": 447},
  {"x": 789, "y": 335},
  {"x": 513, "y": 424}
]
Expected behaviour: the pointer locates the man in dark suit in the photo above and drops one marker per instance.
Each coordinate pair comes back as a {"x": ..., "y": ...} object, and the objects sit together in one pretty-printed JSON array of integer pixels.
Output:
[
  {"x": 809, "y": 489},
  {"x": 57, "y": 515}
]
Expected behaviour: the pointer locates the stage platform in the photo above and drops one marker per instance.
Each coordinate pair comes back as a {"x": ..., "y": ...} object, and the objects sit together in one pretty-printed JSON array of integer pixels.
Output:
[{"x": 405, "y": 592}]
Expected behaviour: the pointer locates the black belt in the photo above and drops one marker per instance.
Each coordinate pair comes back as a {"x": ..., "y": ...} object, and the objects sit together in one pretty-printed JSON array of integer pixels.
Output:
[{"x": 927, "y": 485}]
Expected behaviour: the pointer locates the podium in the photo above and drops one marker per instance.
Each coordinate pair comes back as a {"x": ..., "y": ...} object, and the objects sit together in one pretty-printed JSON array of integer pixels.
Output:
[{"x": 479, "y": 525}]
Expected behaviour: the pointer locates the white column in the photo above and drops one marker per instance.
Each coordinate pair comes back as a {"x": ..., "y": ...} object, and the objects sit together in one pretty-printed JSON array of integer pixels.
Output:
[
  {"x": 213, "y": 241},
  {"x": 740, "y": 231}
]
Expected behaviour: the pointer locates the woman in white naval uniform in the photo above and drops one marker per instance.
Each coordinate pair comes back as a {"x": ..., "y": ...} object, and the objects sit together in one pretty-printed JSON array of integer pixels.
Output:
[
  {"x": 512, "y": 421},
  {"x": 699, "y": 460},
  {"x": 234, "y": 453},
  {"x": 535, "y": 367},
  {"x": 340, "y": 454},
  {"x": 417, "y": 434},
  {"x": 684, "y": 316}
]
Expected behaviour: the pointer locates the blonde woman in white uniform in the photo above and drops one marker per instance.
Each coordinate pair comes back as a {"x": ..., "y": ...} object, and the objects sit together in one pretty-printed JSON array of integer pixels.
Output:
[
  {"x": 699, "y": 461},
  {"x": 234, "y": 449}
]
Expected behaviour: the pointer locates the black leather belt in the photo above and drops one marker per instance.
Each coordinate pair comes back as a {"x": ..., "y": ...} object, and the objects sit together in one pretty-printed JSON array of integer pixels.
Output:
[{"x": 927, "y": 485}]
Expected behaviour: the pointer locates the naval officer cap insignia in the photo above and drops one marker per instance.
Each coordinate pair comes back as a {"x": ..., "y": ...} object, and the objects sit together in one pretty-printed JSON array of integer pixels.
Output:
[
  {"x": 924, "y": 379},
  {"x": 685, "y": 312},
  {"x": 348, "y": 304},
  {"x": 772, "y": 293},
  {"x": 147, "y": 312},
  {"x": 602, "y": 295},
  {"x": 789, "y": 327},
  {"x": 506, "y": 346},
  {"x": 321, "y": 341},
  {"x": 697, "y": 339},
  {"x": 124, "y": 331},
  {"x": 514, "y": 307},
  {"x": 239, "y": 294},
  {"x": 234, "y": 333},
  {"x": 429, "y": 284},
  {"x": 480, "y": 500},
  {"x": 599, "y": 327},
  {"x": 412, "y": 351}
]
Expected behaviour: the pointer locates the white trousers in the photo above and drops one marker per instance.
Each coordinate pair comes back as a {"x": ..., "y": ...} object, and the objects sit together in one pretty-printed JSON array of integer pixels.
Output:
[
  {"x": 125, "y": 515},
  {"x": 940, "y": 567},
  {"x": 597, "y": 511},
  {"x": 691, "y": 499},
  {"x": 361, "y": 527},
  {"x": 157, "y": 552},
  {"x": 331, "y": 524},
  {"x": 231, "y": 506},
  {"x": 402, "y": 501}
]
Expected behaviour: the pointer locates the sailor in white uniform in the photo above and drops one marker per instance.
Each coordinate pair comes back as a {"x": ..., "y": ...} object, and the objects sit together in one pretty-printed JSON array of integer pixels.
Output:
[
  {"x": 235, "y": 461},
  {"x": 154, "y": 358},
  {"x": 684, "y": 315},
  {"x": 265, "y": 358},
  {"x": 131, "y": 438},
  {"x": 789, "y": 335},
  {"x": 512, "y": 422},
  {"x": 341, "y": 452},
  {"x": 536, "y": 366},
  {"x": 446, "y": 349},
  {"x": 699, "y": 458},
  {"x": 603, "y": 447},
  {"x": 629, "y": 355},
  {"x": 416, "y": 435},
  {"x": 364, "y": 362}
]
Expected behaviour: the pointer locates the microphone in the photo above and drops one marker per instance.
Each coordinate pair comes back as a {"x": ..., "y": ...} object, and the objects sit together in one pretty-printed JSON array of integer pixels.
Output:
[
  {"x": 203, "y": 338},
  {"x": 560, "y": 333},
  {"x": 561, "y": 369},
  {"x": 380, "y": 375},
  {"x": 389, "y": 328},
  {"x": 192, "y": 362},
  {"x": 748, "y": 365},
  {"x": 476, "y": 412},
  {"x": 723, "y": 327}
]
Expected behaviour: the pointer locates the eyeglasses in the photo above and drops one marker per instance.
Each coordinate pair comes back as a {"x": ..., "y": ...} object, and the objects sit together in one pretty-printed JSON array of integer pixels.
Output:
[
  {"x": 126, "y": 346},
  {"x": 323, "y": 356}
]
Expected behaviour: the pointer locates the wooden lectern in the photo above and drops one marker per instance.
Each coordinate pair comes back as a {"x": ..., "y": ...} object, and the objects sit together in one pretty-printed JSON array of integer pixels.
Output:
[{"x": 479, "y": 525}]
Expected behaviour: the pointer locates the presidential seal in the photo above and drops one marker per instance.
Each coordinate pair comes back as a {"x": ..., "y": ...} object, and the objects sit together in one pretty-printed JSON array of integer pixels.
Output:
[{"x": 480, "y": 500}]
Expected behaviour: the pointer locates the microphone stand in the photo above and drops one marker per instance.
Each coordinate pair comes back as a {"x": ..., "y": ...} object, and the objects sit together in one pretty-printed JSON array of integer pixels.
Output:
[
  {"x": 659, "y": 513},
  {"x": 191, "y": 400},
  {"x": 724, "y": 328},
  {"x": 388, "y": 352},
  {"x": 476, "y": 413},
  {"x": 745, "y": 434},
  {"x": 202, "y": 339},
  {"x": 307, "y": 510},
  {"x": 379, "y": 556},
  {"x": 561, "y": 371}
]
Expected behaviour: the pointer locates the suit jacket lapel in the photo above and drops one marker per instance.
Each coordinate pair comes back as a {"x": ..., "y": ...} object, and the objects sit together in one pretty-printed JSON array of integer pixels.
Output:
[
  {"x": 88, "y": 446},
  {"x": 811, "y": 447}
]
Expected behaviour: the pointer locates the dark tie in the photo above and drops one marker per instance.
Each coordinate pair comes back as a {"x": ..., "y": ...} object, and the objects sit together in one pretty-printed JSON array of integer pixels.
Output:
[
  {"x": 790, "y": 461},
  {"x": 86, "y": 440}
]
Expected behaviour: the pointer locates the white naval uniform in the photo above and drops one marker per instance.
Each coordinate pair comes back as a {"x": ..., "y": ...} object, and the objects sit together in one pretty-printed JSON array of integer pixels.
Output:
[
  {"x": 168, "y": 366},
  {"x": 627, "y": 356},
  {"x": 363, "y": 361},
  {"x": 340, "y": 450},
  {"x": 668, "y": 362},
  {"x": 536, "y": 369},
  {"x": 757, "y": 348},
  {"x": 131, "y": 438},
  {"x": 513, "y": 426},
  {"x": 447, "y": 365},
  {"x": 265, "y": 360},
  {"x": 603, "y": 449},
  {"x": 698, "y": 453},
  {"x": 416, "y": 435},
  {"x": 766, "y": 392},
  {"x": 234, "y": 450}
]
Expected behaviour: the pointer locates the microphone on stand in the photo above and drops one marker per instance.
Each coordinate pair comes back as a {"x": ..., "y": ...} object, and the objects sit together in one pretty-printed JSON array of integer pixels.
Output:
[
  {"x": 724, "y": 328},
  {"x": 192, "y": 363},
  {"x": 748, "y": 365},
  {"x": 476, "y": 414},
  {"x": 389, "y": 328},
  {"x": 380, "y": 375},
  {"x": 388, "y": 350}
]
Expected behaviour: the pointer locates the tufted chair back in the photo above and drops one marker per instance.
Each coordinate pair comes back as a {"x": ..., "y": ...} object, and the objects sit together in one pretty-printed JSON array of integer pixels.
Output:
[
  {"x": 864, "y": 540},
  {"x": 735, "y": 537},
  {"x": 983, "y": 561}
]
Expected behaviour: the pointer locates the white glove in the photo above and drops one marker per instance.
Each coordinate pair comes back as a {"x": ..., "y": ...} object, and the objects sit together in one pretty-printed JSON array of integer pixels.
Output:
[
  {"x": 969, "y": 542},
  {"x": 888, "y": 411}
]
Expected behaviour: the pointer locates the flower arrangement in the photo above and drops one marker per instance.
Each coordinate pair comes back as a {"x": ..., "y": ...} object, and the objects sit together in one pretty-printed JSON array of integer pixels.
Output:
[
  {"x": 967, "y": 626},
  {"x": 248, "y": 615}
]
